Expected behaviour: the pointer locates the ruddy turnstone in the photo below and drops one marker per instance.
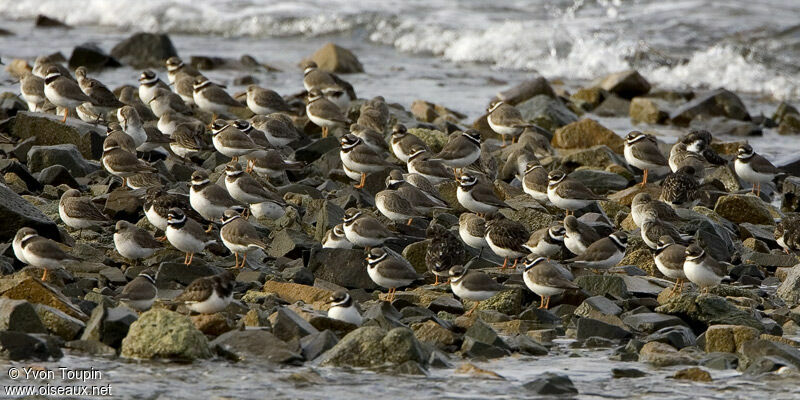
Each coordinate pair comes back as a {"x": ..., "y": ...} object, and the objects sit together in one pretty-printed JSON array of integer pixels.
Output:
[
  {"x": 63, "y": 92},
  {"x": 343, "y": 308},
  {"x": 358, "y": 157},
  {"x": 546, "y": 280},
  {"x": 474, "y": 286},
  {"x": 478, "y": 197},
  {"x": 389, "y": 271},
  {"x": 239, "y": 236},
  {"x": 787, "y": 234},
  {"x": 444, "y": 251},
  {"x": 568, "y": 194},
  {"x": 185, "y": 141},
  {"x": 186, "y": 234},
  {"x": 140, "y": 293},
  {"x": 506, "y": 120},
  {"x": 208, "y": 295},
  {"x": 507, "y": 238},
  {"x": 702, "y": 269},
  {"x": 578, "y": 235},
  {"x": 546, "y": 242},
  {"x": 78, "y": 212},
  {"x": 680, "y": 189},
  {"x": 641, "y": 151},
  {"x": 364, "y": 230},
  {"x": 604, "y": 253},
  {"x": 669, "y": 258},
  {"x": 134, "y": 243},
  {"x": 753, "y": 168},
  {"x": 461, "y": 151},
  {"x": 265, "y": 101},
  {"x": 403, "y": 143}
]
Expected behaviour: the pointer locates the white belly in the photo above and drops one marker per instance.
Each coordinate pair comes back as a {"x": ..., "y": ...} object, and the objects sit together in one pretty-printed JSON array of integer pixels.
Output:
[
  {"x": 541, "y": 291},
  {"x": 398, "y": 152},
  {"x": 346, "y": 314},
  {"x": 359, "y": 240},
  {"x": 471, "y": 295},
  {"x": 544, "y": 249},
  {"x": 641, "y": 164},
  {"x": 359, "y": 167},
  {"x": 342, "y": 243},
  {"x": 434, "y": 179},
  {"x": 700, "y": 276},
  {"x": 537, "y": 195},
  {"x": 606, "y": 264},
  {"x": 463, "y": 161},
  {"x": 184, "y": 241},
  {"x": 236, "y": 248},
  {"x": 467, "y": 201},
  {"x": 165, "y": 127},
  {"x": 748, "y": 175},
  {"x": 476, "y": 242},
  {"x": 502, "y": 252},
  {"x": 139, "y": 305},
  {"x": 211, "y": 305},
  {"x": 240, "y": 195},
  {"x": 268, "y": 210},
  {"x": 129, "y": 249},
  {"x": 669, "y": 273},
  {"x": 76, "y": 223},
  {"x": 155, "y": 219},
  {"x": 42, "y": 262},
  {"x": 387, "y": 283},
  {"x": 392, "y": 215},
  {"x": 504, "y": 130},
  {"x": 147, "y": 93},
  {"x": 321, "y": 122},
  {"x": 574, "y": 245},
  {"x": 18, "y": 252},
  {"x": 229, "y": 151},
  {"x": 209, "y": 106},
  {"x": 566, "y": 204},
  {"x": 59, "y": 100},
  {"x": 204, "y": 207}
]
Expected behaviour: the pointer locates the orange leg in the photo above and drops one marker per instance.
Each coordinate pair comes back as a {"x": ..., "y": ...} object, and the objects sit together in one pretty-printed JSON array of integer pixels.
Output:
[
  {"x": 504, "y": 141},
  {"x": 244, "y": 260},
  {"x": 436, "y": 283},
  {"x": 44, "y": 275},
  {"x": 472, "y": 310},
  {"x": 455, "y": 173},
  {"x": 513, "y": 139},
  {"x": 505, "y": 263},
  {"x": 250, "y": 165},
  {"x": 644, "y": 180},
  {"x": 162, "y": 238},
  {"x": 191, "y": 256},
  {"x": 124, "y": 183},
  {"x": 758, "y": 189},
  {"x": 547, "y": 304},
  {"x": 515, "y": 263},
  {"x": 363, "y": 179},
  {"x": 409, "y": 221},
  {"x": 186, "y": 259},
  {"x": 66, "y": 113},
  {"x": 210, "y": 227},
  {"x": 236, "y": 262},
  {"x": 324, "y": 132}
]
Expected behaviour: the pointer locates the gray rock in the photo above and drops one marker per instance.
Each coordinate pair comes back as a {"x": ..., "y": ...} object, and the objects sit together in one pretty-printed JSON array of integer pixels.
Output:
[
  {"x": 160, "y": 333},
  {"x": 255, "y": 345},
  {"x": 16, "y": 346},
  {"x": 446, "y": 303},
  {"x": 588, "y": 327},
  {"x": 550, "y": 384},
  {"x": 49, "y": 130},
  {"x": 92, "y": 57},
  {"x": 725, "y": 126},
  {"x": 169, "y": 272},
  {"x": 109, "y": 325},
  {"x": 597, "y": 305},
  {"x": 91, "y": 347},
  {"x": 766, "y": 364},
  {"x": 144, "y": 50},
  {"x": 472, "y": 348},
  {"x": 371, "y": 346},
  {"x": 20, "y": 316},
  {"x": 66, "y": 155},
  {"x": 287, "y": 325},
  {"x": 318, "y": 343},
  {"x": 751, "y": 351},
  {"x": 20, "y": 170},
  {"x": 526, "y": 345},
  {"x": 344, "y": 267},
  {"x": 526, "y": 90},
  {"x": 718, "y": 102},
  {"x": 58, "y": 322},
  {"x": 16, "y": 213},
  {"x": 483, "y": 333},
  {"x": 651, "y": 322},
  {"x": 627, "y": 373},
  {"x": 547, "y": 112},
  {"x": 383, "y": 315},
  {"x": 317, "y": 149},
  {"x": 57, "y": 175},
  {"x": 626, "y": 84},
  {"x": 700, "y": 311},
  {"x": 289, "y": 243},
  {"x": 675, "y": 336},
  {"x": 298, "y": 274},
  {"x": 600, "y": 181},
  {"x": 613, "y": 106},
  {"x": 789, "y": 289},
  {"x": 720, "y": 361}
]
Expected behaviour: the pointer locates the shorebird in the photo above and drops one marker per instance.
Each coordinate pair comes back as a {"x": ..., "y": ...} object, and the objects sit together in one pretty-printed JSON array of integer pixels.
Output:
[
  {"x": 535, "y": 181},
  {"x": 420, "y": 162},
  {"x": 546, "y": 280},
  {"x": 546, "y": 242},
  {"x": 506, "y": 120},
  {"x": 239, "y": 236},
  {"x": 32, "y": 89},
  {"x": 461, "y": 151},
  {"x": 681, "y": 189},
  {"x": 388, "y": 271},
  {"x": 265, "y": 101},
  {"x": 358, "y": 157},
  {"x": 212, "y": 98},
  {"x": 702, "y": 269},
  {"x": 642, "y": 152},
  {"x": 186, "y": 235},
  {"x": 568, "y": 194},
  {"x": 78, "y": 212},
  {"x": 324, "y": 113},
  {"x": 335, "y": 238},
  {"x": 669, "y": 258},
  {"x": 343, "y": 308},
  {"x": 230, "y": 141},
  {"x": 787, "y": 234},
  {"x": 478, "y": 197},
  {"x": 208, "y": 295},
  {"x": 40, "y": 251},
  {"x": 404, "y": 143},
  {"x": 134, "y": 243},
  {"x": 148, "y": 84},
  {"x": 472, "y": 230},
  {"x": 753, "y": 168},
  {"x": 63, "y": 92},
  {"x": 423, "y": 202},
  {"x": 644, "y": 202},
  {"x": 578, "y": 236},
  {"x": 474, "y": 286},
  {"x": 121, "y": 163},
  {"x": 364, "y": 230},
  {"x": 103, "y": 100},
  {"x": 604, "y": 253},
  {"x": 209, "y": 199},
  {"x": 507, "y": 238},
  {"x": 395, "y": 207},
  {"x": 140, "y": 293},
  {"x": 444, "y": 251}
]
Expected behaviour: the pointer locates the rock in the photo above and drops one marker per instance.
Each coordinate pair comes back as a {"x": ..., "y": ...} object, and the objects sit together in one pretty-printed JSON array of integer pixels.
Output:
[
  {"x": 434, "y": 334},
  {"x": 600, "y": 181},
  {"x": 109, "y": 325},
  {"x": 752, "y": 350},
  {"x": 293, "y": 292},
  {"x": 92, "y": 57},
  {"x": 676, "y": 336},
  {"x": 728, "y": 338},
  {"x": 529, "y": 217},
  {"x": 287, "y": 325},
  {"x": 648, "y": 110},
  {"x": 343, "y": 267},
  {"x": 618, "y": 373},
  {"x": 17, "y": 346},
  {"x": 700, "y": 311},
  {"x": 317, "y": 149},
  {"x": 371, "y": 346},
  {"x": 49, "y": 131},
  {"x": 414, "y": 253},
  {"x": 20, "y": 286},
  {"x": 144, "y": 50},
  {"x": 254, "y": 345},
  {"x": 56, "y": 175},
  {"x": 333, "y": 58},
  {"x": 17, "y": 68},
  {"x": 289, "y": 243},
  {"x": 613, "y": 106},
  {"x": 789, "y": 289},
  {"x": 507, "y": 302},
  {"x": 58, "y": 322},
  {"x": 651, "y": 322},
  {"x": 315, "y": 344},
  {"x": 726, "y": 126},
  {"x": 471, "y": 369},
  {"x": 92, "y": 348},
  {"x": 589, "y": 98},
  {"x": 586, "y": 133},
  {"x": 526, "y": 90},
  {"x": 598, "y": 157},
  {"x": 551, "y": 384},
  {"x": 429, "y": 112},
  {"x": 600, "y": 285},
  {"x": 20, "y": 316},
  {"x": 693, "y": 374},
  {"x": 212, "y": 324},
  {"x": 740, "y": 208},
  {"x": 588, "y": 327},
  {"x": 718, "y": 102},
  {"x": 663, "y": 355},
  {"x": 43, "y": 21},
  {"x": 626, "y": 84},
  {"x": 160, "y": 333},
  {"x": 524, "y": 344},
  {"x": 11, "y": 104},
  {"x": 433, "y": 138},
  {"x": 547, "y": 112},
  {"x": 446, "y": 303},
  {"x": 790, "y": 125},
  {"x": 720, "y": 361}
]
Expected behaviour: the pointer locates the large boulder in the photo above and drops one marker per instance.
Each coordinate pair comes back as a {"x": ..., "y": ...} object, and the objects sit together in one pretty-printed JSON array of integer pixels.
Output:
[
  {"x": 720, "y": 102},
  {"x": 526, "y": 90},
  {"x": 789, "y": 289},
  {"x": 344, "y": 267},
  {"x": 16, "y": 213},
  {"x": 58, "y": 322},
  {"x": 552, "y": 384},
  {"x": 20, "y": 316},
  {"x": 587, "y": 133},
  {"x": 144, "y": 50},
  {"x": 109, "y": 325},
  {"x": 663, "y": 355},
  {"x": 66, "y": 155},
  {"x": 626, "y": 84},
  {"x": 371, "y": 346},
  {"x": 23, "y": 287},
  {"x": 17, "y": 346},
  {"x": 741, "y": 208},
  {"x": 254, "y": 345},
  {"x": 49, "y": 130},
  {"x": 333, "y": 58},
  {"x": 160, "y": 333},
  {"x": 547, "y": 112},
  {"x": 728, "y": 338},
  {"x": 700, "y": 311},
  {"x": 648, "y": 110},
  {"x": 293, "y": 292},
  {"x": 92, "y": 57}
]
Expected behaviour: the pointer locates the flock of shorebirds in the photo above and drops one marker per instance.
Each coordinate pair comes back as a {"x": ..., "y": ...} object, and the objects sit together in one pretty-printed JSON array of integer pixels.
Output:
[{"x": 161, "y": 117}]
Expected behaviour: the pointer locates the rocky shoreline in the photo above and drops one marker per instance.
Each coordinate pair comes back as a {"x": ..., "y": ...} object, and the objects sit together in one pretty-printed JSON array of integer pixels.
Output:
[{"x": 748, "y": 324}]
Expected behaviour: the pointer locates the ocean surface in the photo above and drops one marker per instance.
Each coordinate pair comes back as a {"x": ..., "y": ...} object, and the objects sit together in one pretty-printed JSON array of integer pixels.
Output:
[{"x": 459, "y": 54}]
